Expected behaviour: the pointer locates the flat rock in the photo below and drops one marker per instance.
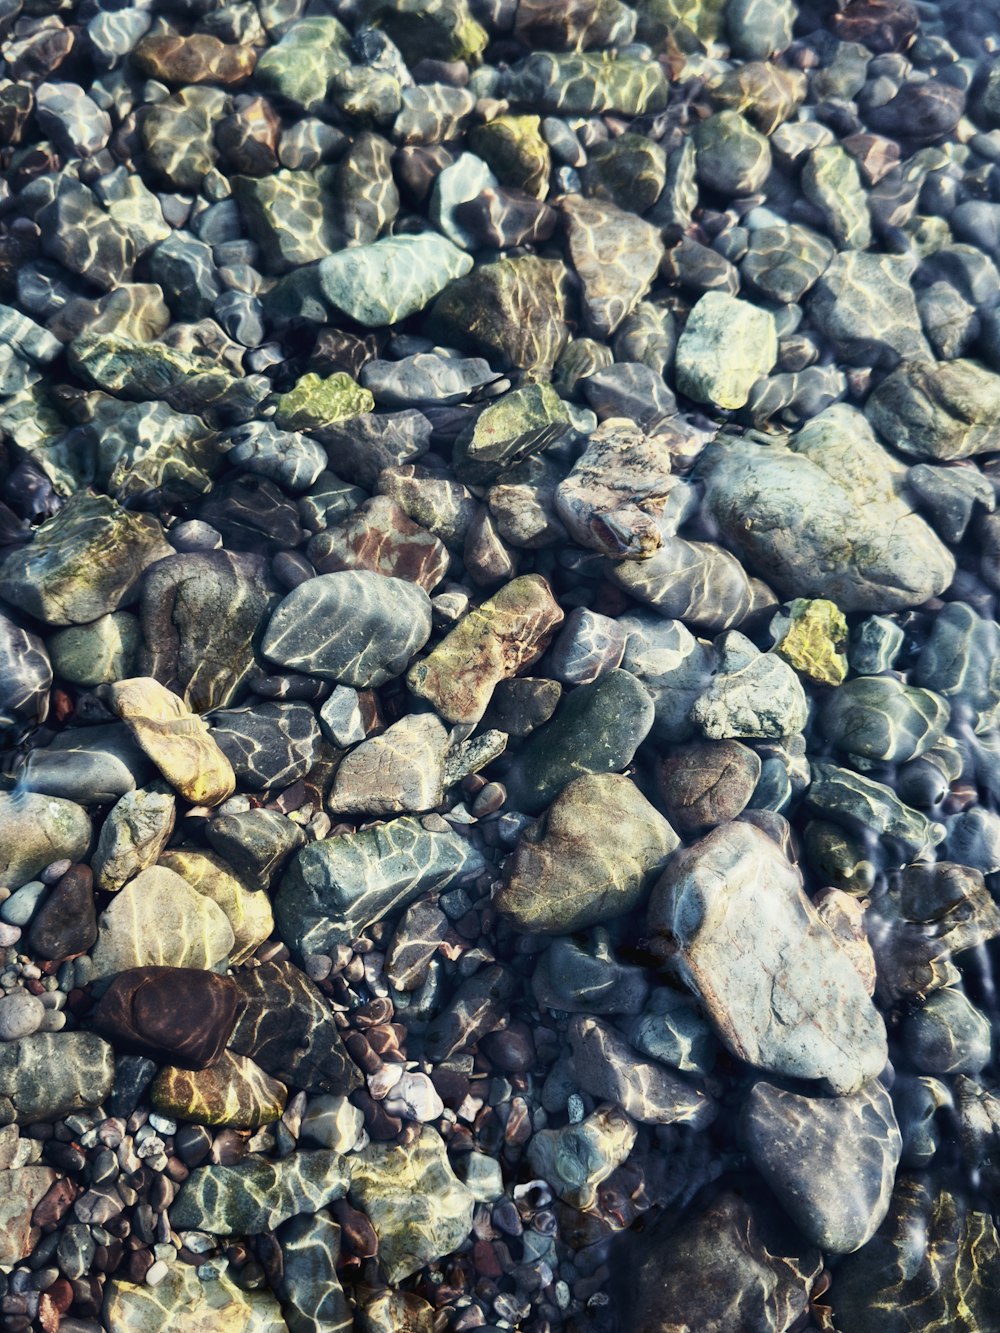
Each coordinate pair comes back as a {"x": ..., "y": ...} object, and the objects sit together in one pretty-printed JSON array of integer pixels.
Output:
[
  {"x": 705, "y": 783},
  {"x": 268, "y": 744},
  {"x": 232, "y": 1091},
  {"x": 379, "y": 536},
  {"x": 726, "y": 346},
  {"x": 647, "y": 1091},
  {"x": 36, "y": 831},
  {"x": 561, "y": 879},
  {"x": 257, "y": 1195},
  {"x": 938, "y": 409},
  {"x": 50, "y": 1074},
  {"x": 399, "y": 772},
  {"x": 21, "y": 1190},
  {"x": 791, "y": 1002},
  {"x": 181, "y": 1014},
  {"x": 864, "y": 304}
]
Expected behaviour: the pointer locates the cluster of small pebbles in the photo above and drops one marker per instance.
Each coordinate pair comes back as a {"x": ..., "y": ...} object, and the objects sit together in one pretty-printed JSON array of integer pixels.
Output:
[{"x": 499, "y": 684}]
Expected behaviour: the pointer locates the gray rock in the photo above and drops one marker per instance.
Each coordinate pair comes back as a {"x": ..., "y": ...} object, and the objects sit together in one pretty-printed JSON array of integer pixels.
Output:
[
  {"x": 698, "y": 583},
  {"x": 880, "y": 718},
  {"x": 467, "y": 177},
  {"x": 753, "y": 695},
  {"x": 98, "y": 653},
  {"x": 673, "y": 1029},
  {"x": 134, "y": 833},
  {"x": 256, "y": 843},
  {"x": 951, "y": 495},
  {"x": 25, "y": 675},
  {"x": 587, "y": 647},
  {"x": 355, "y": 628},
  {"x": 257, "y": 1195},
  {"x": 948, "y": 1035},
  {"x": 37, "y": 830},
  {"x": 726, "y": 346},
  {"x": 399, "y": 772},
  {"x": 580, "y": 975},
  {"x": 864, "y": 304},
  {"x": 732, "y": 157},
  {"x": 673, "y": 665},
  {"x": 861, "y": 804},
  {"x": 291, "y": 459},
  {"x": 974, "y": 839},
  {"x": 383, "y": 283},
  {"x": 268, "y": 744},
  {"x": 312, "y": 1299},
  {"x": 874, "y": 645},
  {"x": 49, "y": 1074},
  {"x": 938, "y": 409},
  {"x": 831, "y": 1161},
  {"x": 832, "y": 184},
  {"x": 21, "y": 1014},
  {"x": 961, "y": 660},
  {"x": 577, "y": 1158},
  {"x": 609, "y": 1069},
  {"x": 790, "y": 1000}
]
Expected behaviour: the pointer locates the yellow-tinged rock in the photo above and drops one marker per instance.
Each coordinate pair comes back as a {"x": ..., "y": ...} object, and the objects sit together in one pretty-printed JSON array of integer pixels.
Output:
[
  {"x": 182, "y": 1303},
  {"x": 177, "y": 740},
  {"x": 234, "y": 1091},
  {"x": 811, "y": 635},
  {"x": 248, "y": 911}
]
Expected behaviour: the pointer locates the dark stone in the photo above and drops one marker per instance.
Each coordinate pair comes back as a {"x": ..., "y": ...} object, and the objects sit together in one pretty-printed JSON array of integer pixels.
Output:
[
  {"x": 179, "y": 1013},
  {"x": 268, "y": 744},
  {"x": 66, "y": 923}
]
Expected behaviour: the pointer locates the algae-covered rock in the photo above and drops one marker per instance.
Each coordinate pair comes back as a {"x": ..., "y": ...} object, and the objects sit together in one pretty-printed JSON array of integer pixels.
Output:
[{"x": 315, "y": 402}]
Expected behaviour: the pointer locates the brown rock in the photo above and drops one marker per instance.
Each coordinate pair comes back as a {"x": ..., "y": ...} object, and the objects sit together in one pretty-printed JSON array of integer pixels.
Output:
[
  {"x": 179, "y": 1012},
  {"x": 66, "y": 923},
  {"x": 881, "y": 25},
  {"x": 199, "y": 58},
  {"x": 380, "y": 536},
  {"x": 707, "y": 783}
]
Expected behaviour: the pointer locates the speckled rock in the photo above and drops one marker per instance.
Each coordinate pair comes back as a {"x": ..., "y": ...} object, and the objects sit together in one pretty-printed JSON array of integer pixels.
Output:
[
  {"x": 134, "y": 833},
  {"x": 379, "y": 536},
  {"x": 383, "y": 283},
  {"x": 752, "y": 695},
  {"x": 705, "y": 783},
  {"x": 941, "y": 410},
  {"x": 233, "y": 1091},
  {"x": 257, "y": 1195},
  {"x": 577, "y": 1158},
  {"x": 399, "y": 772},
  {"x": 51, "y": 1074},
  {"x": 219, "y": 1306},
  {"x": 268, "y": 744}
]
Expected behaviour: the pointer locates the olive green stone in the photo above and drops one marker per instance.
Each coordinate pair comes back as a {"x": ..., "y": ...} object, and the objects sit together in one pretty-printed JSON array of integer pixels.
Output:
[
  {"x": 36, "y": 830},
  {"x": 584, "y": 84},
  {"x": 233, "y": 1091},
  {"x": 811, "y": 637},
  {"x": 315, "y": 402},
  {"x": 726, "y": 346},
  {"x": 766, "y": 94},
  {"x": 516, "y": 153},
  {"x": 510, "y": 429},
  {"x": 732, "y": 157},
  {"x": 301, "y": 65},
  {"x": 838, "y": 857},
  {"x": 782, "y": 263},
  {"x": 94, "y": 654},
  {"x": 832, "y": 183},
  {"x": 629, "y": 171},
  {"x": 288, "y": 215}
]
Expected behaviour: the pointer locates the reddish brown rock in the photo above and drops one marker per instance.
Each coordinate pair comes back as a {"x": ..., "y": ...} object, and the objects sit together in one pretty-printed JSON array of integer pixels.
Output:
[
  {"x": 248, "y": 139},
  {"x": 66, "y": 923},
  {"x": 881, "y": 25},
  {"x": 179, "y": 1012},
  {"x": 199, "y": 58},
  {"x": 379, "y": 536},
  {"x": 707, "y": 783}
]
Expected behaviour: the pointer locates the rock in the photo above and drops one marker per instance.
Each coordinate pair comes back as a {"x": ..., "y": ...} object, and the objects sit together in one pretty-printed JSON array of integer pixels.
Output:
[
  {"x": 581, "y": 84},
  {"x": 334, "y": 1123},
  {"x": 66, "y": 922},
  {"x": 287, "y": 1028},
  {"x": 578, "y": 1158},
  {"x": 178, "y": 135},
  {"x": 176, "y": 740},
  {"x": 248, "y": 912},
  {"x": 864, "y": 305},
  {"x": 673, "y": 1030},
  {"x": 862, "y": 804},
  {"x": 832, "y": 184},
  {"x": 257, "y": 1195},
  {"x": 509, "y": 430},
  {"x": 596, "y": 729},
  {"x": 95, "y": 654},
  {"x": 881, "y": 25},
  {"x": 420, "y": 1210},
  {"x": 616, "y": 256},
  {"x": 673, "y": 665},
  {"x": 218, "y": 1306},
  {"x": 267, "y": 203},
  {"x": 50, "y": 1074},
  {"x": 947, "y": 1035},
  {"x": 831, "y": 1161},
  {"x": 336, "y": 888},
  {"x": 178, "y": 1014},
  {"x": 300, "y": 66},
  {"x": 827, "y": 518},
  {"x": 958, "y": 661},
  {"x": 560, "y": 879},
  {"x": 199, "y": 58},
  {"x": 795, "y": 1006},
  {"x": 159, "y": 920},
  {"x": 880, "y": 718},
  {"x": 953, "y": 1277},
  {"x": 606, "y": 1067},
  {"x": 36, "y": 831},
  {"x": 810, "y": 636},
  {"x": 233, "y": 1091},
  {"x": 380, "y": 537},
  {"x": 783, "y": 263},
  {"x": 21, "y": 1190},
  {"x": 268, "y": 744},
  {"x": 83, "y": 562},
  {"x": 951, "y": 495},
  {"x": 726, "y": 346},
  {"x": 923, "y": 111},
  {"x": 310, "y": 631},
  {"x": 732, "y": 157},
  {"x": 315, "y": 402},
  {"x": 383, "y": 283},
  {"x": 587, "y": 647},
  {"x": 707, "y": 783},
  {"x": 25, "y": 675},
  {"x": 942, "y": 410},
  {"x": 426, "y": 379},
  {"x": 97, "y": 763},
  {"x": 515, "y": 150},
  {"x": 21, "y": 1014},
  {"x": 730, "y": 1263},
  {"x": 399, "y": 772},
  {"x": 503, "y": 636},
  {"x": 751, "y": 695},
  {"x": 288, "y": 458},
  {"x": 81, "y": 236},
  {"x": 256, "y": 843},
  {"x": 311, "y": 1296},
  {"x": 134, "y": 833}
]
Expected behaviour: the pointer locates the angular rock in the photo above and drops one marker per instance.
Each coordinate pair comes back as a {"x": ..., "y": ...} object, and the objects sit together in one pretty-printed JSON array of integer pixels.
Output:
[
  {"x": 134, "y": 833},
  {"x": 864, "y": 305},
  {"x": 810, "y": 636},
  {"x": 50, "y": 1074},
  {"x": 21, "y": 1190},
  {"x": 607, "y": 1067},
  {"x": 248, "y": 912},
  {"x": 752, "y": 695},
  {"x": 616, "y": 256},
  {"x": 577, "y": 1158},
  {"x": 383, "y": 283},
  {"x": 256, "y": 843},
  {"x": 727, "y": 345},
  {"x": 942, "y": 410},
  {"x": 218, "y": 1306},
  {"x": 268, "y": 744},
  {"x": 399, "y": 772}
]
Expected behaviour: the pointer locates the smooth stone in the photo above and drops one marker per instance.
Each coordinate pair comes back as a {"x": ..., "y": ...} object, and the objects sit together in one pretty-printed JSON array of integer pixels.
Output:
[
  {"x": 21, "y": 1191},
  {"x": 93, "y": 764},
  {"x": 560, "y": 880},
  {"x": 831, "y": 1161},
  {"x": 425, "y": 379},
  {"x": 501, "y": 637},
  {"x": 268, "y": 744},
  {"x": 753, "y": 695},
  {"x": 247, "y": 911},
  {"x": 827, "y": 516},
  {"x": 580, "y": 84},
  {"x": 580, "y": 975},
  {"x": 783, "y": 263},
  {"x": 233, "y": 1091},
  {"x": 332, "y": 1122},
  {"x": 577, "y": 1158},
  {"x": 705, "y": 783},
  {"x": 616, "y": 256},
  {"x": 355, "y": 628},
  {"x": 25, "y": 675},
  {"x": 831, "y": 182},
  {"x": 608, "y": 1068},
  {"x": 36, "y": 831},
  {"x": 974, "y": 839},
  {"x": 396, "y": 277},
  {"x": 940, "y": 410},
  {"x": 419, "y": 1208},
  {"x": 791, "y": 1002},
  {"x": 673, "y": 665},
  {"x": 726, "y": 346},
  {"x": 874, "y": 645},
  {"x": 399, "y": 772},
  {"x": 290, "y": 459},
  {"x": 864, "y": 304},
  {"x": 860, "y": 803},
  {"x": 98, "y": 653},
  {"x": 958, "y": 660},
  {"x": 286, "y": 1026},
  {"x": 256, "y": 843},
  {"x": 947, "y": 1035},
  {"x": 951, "y": 495},
  {"x": 336, "y": 888},
  {"x": 83, "y": 562},
  {"x": 257, "y": 1195},
  {"x": 215, "y": 1306},
  {"x": 587, "y": 647},
  {"x": 158, "y": 919},
  {"x": 21, "y": 1014},
  {"x": 66, "y": 922},
  {"x": 732, "y": 158},
  {"x": 673, "y": 1030},
  {"x": 881, "y": 718},
  {"x": 134, "y": 833},
  {"x": 182, "y": 1015},
  {"x": 312, "y": 1298},
  {"x": 379, "y": 536},
  {"x": 50, "y": 1074}
]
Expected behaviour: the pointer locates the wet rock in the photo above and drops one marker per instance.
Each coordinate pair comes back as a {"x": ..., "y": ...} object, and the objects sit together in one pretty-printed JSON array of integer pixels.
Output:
[
  {"x": 316, "y": 402},
  {"x": 97, "y": 653},
  {"x": 480, "y": 1005},
  {"x": 199, "y": 58},
  {"x": 810, "y": 635},
  {"x": 25, "y": 675},
  {"x": 257, "y": 1195},
  {"x": 695, "y": 582},
  {"x": 950, "y": 495},
  {"x": 581, "y": 975},
  {"x": 310, "y": 1291},
  {"x": 672, "y": 664},
  {"x": 66, "y": 922},
  {"x": 268, "y": 744},
  {"x": 864, "y": 305},
  {"x": 399, "y": 772},
  {"x": 256, "y": 843},
  {"x": 288, "y": 458},
  {"x": 607, "y": 1068},
  {"x": 310, "y": 631},
  {"x": 51, "y": 1074},
  {"x": 134, "y": 833},
  {"x": 672, "y": 1029},
  {"x": 35, "y": 832},
  {"x": 732, "y": 157},
  {"x": 831, "y": 1161},
  {"x": 379, "y": 536},
  {"x": 940, "y": 410},
  {"x": 958, "y": 661},
  {"x": 248, "y": 912},
  {"x": 587, "y": 647},
  {"x": 862, "y": 804},
  {"x": 21, "y": 1190},
  {"x": 827, "y": 518},
  {"x": 725, "y": 347},
  {"x": 707, "y": 783},
  {"x": 336, "y": 888},
  {"x": 79, "y": 234},
  {"x": 509, "y": 431},
  {"x": 300, "y": 66},
  {"x": 420, "y": 1210},
  {"x": 881, "y": 25},
  {"x": 178, "y": 135},
  {"x": 880, "y": 718},
  {"x": 233, "y": 1091},
  {"x": 947, "y": 1035},
  {"x": 783, "y": 263},
  {"x": 578, "y": 1158},
  {"x": 832, "y": 184},
  {"x": 616, "y": 256},
  {"x": 561, "y": 880},
  {"x": 179, "y": 1014},
  {"x": 383, "y": 283},
  {"x": 287, "y": 1028},
  {"x": 131, "y": 1307},
  {"x": 752, "y": 695},
  {"x": 777, "y": 1010}
]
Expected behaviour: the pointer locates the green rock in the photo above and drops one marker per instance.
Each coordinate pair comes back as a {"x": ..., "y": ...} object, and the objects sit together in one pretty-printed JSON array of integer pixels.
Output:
[
  {"x": 732, "y": 157},
  {"x": 561, "y": 878},
  {"x": 288, "y": 215},
  {"x": 514, "y": 150},
  {"x": 832, "y": 183},
  {"x": 782, "y": 263},
  {"x": 215, "y": 1305},
  {"x": 597, "y": 728},
  {"x": 363, "y": 190},
  {"x": 300, "y": 66},
  {"x": 864, "y": 304},
  {"x": 336, "y": 888},
  {"x": 616, "y": 257},
  {"x": 513, "y": 312},
  {"x": 689, "y": 25},
  {"x": 839, "y": 858},
  {"x": 257, "y": 1195},
  {"x": 629, "y": 171},
  {"x": 880, "y": 718},
  {"x": 585, "y": 84},
  {"x": 37, "y": 830},
  {"x": 178, "y": 134},
  {"x": 398, "y": 276},
  {"x": 759, "y": 29},
  {"x": 233, "y": 1091},
  {"x": 810, "y": 636},
  {"x": 315, "y": 402},
  {"x": 94, "y": 654},
  {"x": 429, "y": 29},
  {"x": 83, "y": 562},
  {"x": 50, "y": 1074},
  {"x": 938, "y": 409},
  {"x": 726, "y": 346},
  {"x": 510, "y": 429},
  {"x": 579, "y": 359},
  {"x": 648, "y": 335},
  {"x": 419, "y": 1208},
  {"x": 134, "y": 833},
  {"x": 847, "y": 798}
]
